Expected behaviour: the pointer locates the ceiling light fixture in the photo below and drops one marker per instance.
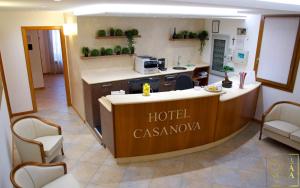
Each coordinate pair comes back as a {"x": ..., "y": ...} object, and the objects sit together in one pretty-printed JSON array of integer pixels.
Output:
[
  {"x": 155, "y": 10},
  {"x": 289, "y": 2}
]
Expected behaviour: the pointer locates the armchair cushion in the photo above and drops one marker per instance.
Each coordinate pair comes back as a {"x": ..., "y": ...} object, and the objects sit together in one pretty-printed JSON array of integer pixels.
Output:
[
  {"x": 281, "y": 127},
  {"x": 295, "y": 136},
  {"x": 51, "y": 143},
  {"x": 64, "y": 181}
]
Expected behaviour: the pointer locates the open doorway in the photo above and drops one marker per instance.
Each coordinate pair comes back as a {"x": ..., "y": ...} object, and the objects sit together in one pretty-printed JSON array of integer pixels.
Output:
[{"x": 47, "y": 67}]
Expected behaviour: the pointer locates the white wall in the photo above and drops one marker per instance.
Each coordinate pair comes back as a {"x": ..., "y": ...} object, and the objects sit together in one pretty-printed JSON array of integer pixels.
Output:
[
  {"x": 11, "y": 47},
  {"x": 35, "y": 59},
  {"x": 155, "y": 34},
  {"x": 229, "y": 27},
  {"x": 5, "y": 146},
  {"x": 267, "y": 96}
]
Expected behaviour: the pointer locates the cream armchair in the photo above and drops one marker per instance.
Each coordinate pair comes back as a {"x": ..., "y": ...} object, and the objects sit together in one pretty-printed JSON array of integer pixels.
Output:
[
  {"x": 282, "y": 123},
  {"x": 40, "y": 175},
  {"x": 37, "y": 140}
]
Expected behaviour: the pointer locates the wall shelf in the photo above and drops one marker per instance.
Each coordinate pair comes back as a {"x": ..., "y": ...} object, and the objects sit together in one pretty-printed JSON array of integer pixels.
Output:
[
  {"x": 116, "y": 37},
  {"x": 186, "y": 39},
  {"x": 106, "y": 56}
]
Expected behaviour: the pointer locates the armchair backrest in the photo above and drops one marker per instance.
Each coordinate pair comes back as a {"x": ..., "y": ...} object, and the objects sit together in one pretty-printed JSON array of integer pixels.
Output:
[
  {"x": 36, "y": 175},
  {"x": 287, "y": 112},
  {"x": 23, "y": 178},
  {"x": 290, "y": 113},
  {"x": 26, "y": 128}
]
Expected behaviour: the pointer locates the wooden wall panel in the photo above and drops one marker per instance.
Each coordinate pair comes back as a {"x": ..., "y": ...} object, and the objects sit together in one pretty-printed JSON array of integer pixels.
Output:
[
  {"x": 234, "y": 114},
  {"x": 130, "y": 117},
  {"x": 107, "y": 129}
]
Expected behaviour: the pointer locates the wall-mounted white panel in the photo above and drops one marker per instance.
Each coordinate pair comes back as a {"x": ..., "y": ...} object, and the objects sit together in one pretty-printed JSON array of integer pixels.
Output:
[{"x": 277, "y": 48}]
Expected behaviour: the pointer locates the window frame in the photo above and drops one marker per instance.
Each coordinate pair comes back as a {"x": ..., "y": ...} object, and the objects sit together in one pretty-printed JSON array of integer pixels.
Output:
[{"x": 289, "y": 86}]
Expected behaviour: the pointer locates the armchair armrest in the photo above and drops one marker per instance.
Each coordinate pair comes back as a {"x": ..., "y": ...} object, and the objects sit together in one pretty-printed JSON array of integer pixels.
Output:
[
  {"x": 30, "y": 150},
  {"x": 41, "y": 173}
]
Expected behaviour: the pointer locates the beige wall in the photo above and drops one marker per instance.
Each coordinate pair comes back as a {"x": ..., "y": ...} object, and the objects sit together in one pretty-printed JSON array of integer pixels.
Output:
[
  {"x": 11, "y": 47},
  {"x": 35, "y": 59},
  {"x": 155, "y": 34},
  {"x": 6, "y": 144}
]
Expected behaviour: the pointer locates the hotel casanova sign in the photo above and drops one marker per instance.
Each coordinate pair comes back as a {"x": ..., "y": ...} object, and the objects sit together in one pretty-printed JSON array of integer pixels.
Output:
[{"x": 167, "y": 127}]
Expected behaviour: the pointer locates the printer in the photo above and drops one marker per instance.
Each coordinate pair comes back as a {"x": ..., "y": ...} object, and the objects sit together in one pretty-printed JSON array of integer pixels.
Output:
[{"x": 146, "y": 65}]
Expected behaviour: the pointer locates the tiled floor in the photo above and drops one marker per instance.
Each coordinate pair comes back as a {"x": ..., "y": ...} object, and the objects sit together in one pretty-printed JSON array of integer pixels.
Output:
[{"x": 243, "y": 161}]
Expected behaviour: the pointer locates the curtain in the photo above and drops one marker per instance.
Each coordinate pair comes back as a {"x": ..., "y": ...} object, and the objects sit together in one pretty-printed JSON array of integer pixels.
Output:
[{"x": 56, "y": 62}]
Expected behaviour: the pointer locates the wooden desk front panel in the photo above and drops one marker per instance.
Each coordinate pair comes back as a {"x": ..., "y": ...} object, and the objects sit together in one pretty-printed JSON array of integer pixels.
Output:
[
  {"x": 137, "y": 134},
  {"x": 234, "y": 114}
]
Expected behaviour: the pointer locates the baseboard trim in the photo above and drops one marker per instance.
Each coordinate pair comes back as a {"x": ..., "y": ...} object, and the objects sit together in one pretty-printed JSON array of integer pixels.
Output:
[
  {"x": 77, "y": 112},
  {"x": 23, "y": 113}
]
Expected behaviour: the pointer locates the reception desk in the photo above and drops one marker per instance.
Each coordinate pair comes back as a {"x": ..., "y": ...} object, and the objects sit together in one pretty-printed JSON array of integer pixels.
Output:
[{"x": 135, "y": 127}]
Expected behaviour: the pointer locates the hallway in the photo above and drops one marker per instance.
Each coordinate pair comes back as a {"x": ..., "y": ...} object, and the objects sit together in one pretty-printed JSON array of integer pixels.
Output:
[{"x": 53, "y": 96}]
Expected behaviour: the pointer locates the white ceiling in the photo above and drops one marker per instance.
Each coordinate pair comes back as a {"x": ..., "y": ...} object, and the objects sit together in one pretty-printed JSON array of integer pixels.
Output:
[{"x": 250, "y": 6}]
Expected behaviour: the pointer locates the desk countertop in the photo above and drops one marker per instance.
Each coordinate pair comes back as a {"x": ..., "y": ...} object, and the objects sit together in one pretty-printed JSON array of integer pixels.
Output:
[
  {"x": 226, "y": 94},
  {"x": 116, "y": 74}
]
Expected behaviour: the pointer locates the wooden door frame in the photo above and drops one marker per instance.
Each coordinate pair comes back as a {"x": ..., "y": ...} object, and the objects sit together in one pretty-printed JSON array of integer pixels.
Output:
[
  {"x": 24, "y": 30},
  {"x": 5, "y": 86}
]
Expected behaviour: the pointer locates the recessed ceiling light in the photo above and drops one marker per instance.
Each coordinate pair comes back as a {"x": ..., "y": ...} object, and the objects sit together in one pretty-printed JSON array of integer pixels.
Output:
[
  {"x": 155, "y": 10},
  {"x": 289, "y": 2},
  {"x": 57, "y": 0}
]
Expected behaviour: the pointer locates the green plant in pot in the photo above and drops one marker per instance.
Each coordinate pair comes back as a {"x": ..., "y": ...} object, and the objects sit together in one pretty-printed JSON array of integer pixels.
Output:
[
  {"x": 179, "y": 36},
  {"x": 95, "y": 52},
  {"x": 111, "y": 32},
  {"x": 135, "y": 32},
  {"x": 184, "y": 34},
  {"x": 125, "y": 50},
  {"x": 226, "y": 82},
  {"x": 119, "y": 32},
  {"x": 130, "y": 38},
  {"x": 85, "y": 51},
  {"x": 102, "y": 51},
  {"x": 203, "y": 36},
  {"x": 118, "y": 50},
  {"x": 101, "y": 33},
  {"x": 192, "y": 35},
  {"x": 109, "y": 51}
]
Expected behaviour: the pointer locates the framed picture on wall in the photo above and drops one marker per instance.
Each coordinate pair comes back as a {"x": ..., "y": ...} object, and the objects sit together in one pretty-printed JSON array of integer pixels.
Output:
[{"x": 215, "y": 26}]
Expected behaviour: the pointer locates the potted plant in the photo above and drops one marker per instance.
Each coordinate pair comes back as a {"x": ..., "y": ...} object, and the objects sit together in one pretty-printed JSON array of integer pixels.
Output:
[
  {"x": 109, "y": 51},
  {"x": 95, "y": 52},
  {"x": 125, "y": 50},
  {"x": 118, "y": 50},
  {"x": 132, "y": 49},
  {"x": 192, "y": 35},
  {"x": 203, "y": 36},
  {"x": 85, "y": 51},
  {"x": 111, "y": 32},
  {"x": 101, "y": 33},
  {"x": 135, "y": 32},
  {"x": 179, "y": 36},
  {"x": 119, "y": 32},
  {"x": 184, "y": 34},
  {"x": 102, "y": 51},
  {"x": 226, "y": 82},
  {"x": 130, "y": 38}
]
